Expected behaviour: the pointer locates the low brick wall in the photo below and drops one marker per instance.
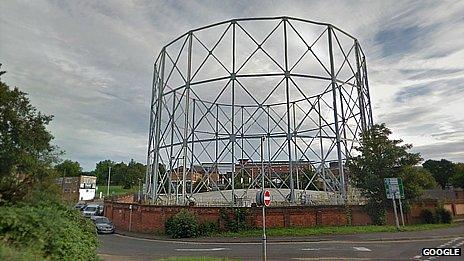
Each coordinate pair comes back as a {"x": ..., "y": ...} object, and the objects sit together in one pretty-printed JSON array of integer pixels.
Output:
[{"x": 149, "y": 218}]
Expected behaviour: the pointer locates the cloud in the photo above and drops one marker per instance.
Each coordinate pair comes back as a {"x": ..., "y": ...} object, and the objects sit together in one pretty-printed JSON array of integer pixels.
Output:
[{"x": 90, "y": 63}]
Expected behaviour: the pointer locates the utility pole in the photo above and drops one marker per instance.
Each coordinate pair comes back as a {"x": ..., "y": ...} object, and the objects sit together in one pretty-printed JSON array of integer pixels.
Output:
[
  {"x": 262, "y": 193},
  {"x": 109, "y": 180}
]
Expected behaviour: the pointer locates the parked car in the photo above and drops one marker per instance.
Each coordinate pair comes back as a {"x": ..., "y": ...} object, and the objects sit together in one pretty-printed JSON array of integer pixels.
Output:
[
  {"x": 93, "y": 210},
  {"x": 80, "y": 205},
  {"x": 103, "y": 224}
]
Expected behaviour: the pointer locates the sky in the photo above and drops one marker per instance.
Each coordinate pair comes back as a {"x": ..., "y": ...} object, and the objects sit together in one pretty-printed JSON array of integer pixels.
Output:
[{"x": 90, "y": 63}]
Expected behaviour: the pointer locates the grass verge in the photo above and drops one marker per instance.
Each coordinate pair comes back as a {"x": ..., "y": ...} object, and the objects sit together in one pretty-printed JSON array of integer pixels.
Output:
[
  {"x": 334, "y": 230},
  {"x": 115, "y": 190}
]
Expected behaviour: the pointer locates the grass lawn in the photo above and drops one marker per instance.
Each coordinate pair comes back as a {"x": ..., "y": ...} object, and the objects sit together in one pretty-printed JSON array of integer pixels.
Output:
[
  {"x": 335, "y": 230},
  {"x": 197, "y": 258},
  {"x": 115, "y": 190}
]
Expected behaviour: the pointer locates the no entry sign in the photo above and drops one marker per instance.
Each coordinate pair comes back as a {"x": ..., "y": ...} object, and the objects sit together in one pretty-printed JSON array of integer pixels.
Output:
[
  {"x": 267, "y": 198},
  {"x": 263, "y": 198}
]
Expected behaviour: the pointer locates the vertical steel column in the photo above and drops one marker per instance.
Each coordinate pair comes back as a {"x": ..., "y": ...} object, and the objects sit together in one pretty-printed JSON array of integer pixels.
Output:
[
  {"x": 289, "y": 134},
  {"x": 232, "y": 137},
  {"x": 191, "y": 151},
  {"x": 150, "y": 134},
  {"x": 171, "y": 146},
  {"x": 320, "y": 140},
  {"x": 155, "y": 167},
  {"x": 186, "y": 122},
  {"x": 269, "y": 166},
  {"x": 296, "y": 149},
  {"x": 241, "y": 140},
  {"x": 216, "y": 148},
  {"x": 359, "y": 87},
  {"x": 371, "y": 120},
  {"x": 337, "y": 131},
  {"x": 343, "y": 127}
]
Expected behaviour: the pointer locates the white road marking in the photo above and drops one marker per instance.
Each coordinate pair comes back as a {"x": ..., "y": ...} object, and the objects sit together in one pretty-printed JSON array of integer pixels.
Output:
[
  {"x": 363, "y": 249},
  {"x": 202, "y": 249},
  {"x": 417, "y": 257}
]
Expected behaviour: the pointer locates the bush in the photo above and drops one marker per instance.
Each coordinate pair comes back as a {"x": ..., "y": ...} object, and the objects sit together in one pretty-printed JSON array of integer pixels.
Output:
[
  {"x": 207, "y": 228},
  {"x": 427, "y": 217},
  {"x": 183, "y": 225},
  {"x": 49, "y": 230},
  {"x": 234, "y": 219},
  {"x": 443, "y": 215},
  {"x": 9, "y": 253},
  {"x": 169, "y": 226}
]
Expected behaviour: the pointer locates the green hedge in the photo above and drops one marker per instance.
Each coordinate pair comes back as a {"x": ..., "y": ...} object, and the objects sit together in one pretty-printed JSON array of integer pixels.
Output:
[
  {"x": 49, "y": 230},
  {"x": 441, "y": 215}
]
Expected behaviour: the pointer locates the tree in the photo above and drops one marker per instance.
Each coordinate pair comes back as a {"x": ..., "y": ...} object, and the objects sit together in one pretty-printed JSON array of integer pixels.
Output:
[
  {"x": 26, "y": 153},
  {"x": 415, "y": 180},
  {"x": 33, "y": 218},
  {"x": 458, "y": 177},
  {"x": 69, "y": 168},
  {"x": 380, "y": 157},
  {"x": 441, "y": 170},
  {"x": 135, "y": 171},
  {"x": 101, "y": 171}
]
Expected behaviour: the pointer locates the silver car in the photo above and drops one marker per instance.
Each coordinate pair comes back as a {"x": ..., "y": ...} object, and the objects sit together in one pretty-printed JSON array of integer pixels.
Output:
[
  {"x": 92, "y": 210},
  {"x": 103, "y": 224}
]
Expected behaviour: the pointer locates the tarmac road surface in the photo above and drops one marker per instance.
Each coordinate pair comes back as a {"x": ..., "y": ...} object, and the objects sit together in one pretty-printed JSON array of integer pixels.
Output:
[{"x": 381, "y": 246}]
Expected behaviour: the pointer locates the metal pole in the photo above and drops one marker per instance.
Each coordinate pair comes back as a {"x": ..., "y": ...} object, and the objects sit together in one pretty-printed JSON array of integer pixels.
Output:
[
  {"x": 150, "y": 134},
  {"x": 262, "y": 194},
  {"x": 140, "y": 190},
  {"x": 130, "y": 217},
  {"x": 359, "y": 87},
  {"x": 171, "y": 147},
  {"x": 192, "y": 155},
  {"x": 396, "y": 214},
  {"x": 289, "y": 134},
  {"x": 296, "y": 150},
  {"x": 186, "y": 122},
  {"x": 366, "y": 83},
  {"x": 401, "y": 211},
  {"x": 159, "y": 100},
  {"x": 232, "y": 120},
  {"x": 109, "y": 180},
  {"x": 322, "y": 146},
  {"x": 337, "y": 131}
]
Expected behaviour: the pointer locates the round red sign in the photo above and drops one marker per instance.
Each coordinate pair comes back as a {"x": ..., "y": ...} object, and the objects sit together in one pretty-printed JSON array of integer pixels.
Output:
[{"x": 267, "y": 198}]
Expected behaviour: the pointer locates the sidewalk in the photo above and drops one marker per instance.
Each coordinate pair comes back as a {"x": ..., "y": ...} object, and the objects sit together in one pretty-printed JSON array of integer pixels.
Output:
[{"x": 457, "y": 231}]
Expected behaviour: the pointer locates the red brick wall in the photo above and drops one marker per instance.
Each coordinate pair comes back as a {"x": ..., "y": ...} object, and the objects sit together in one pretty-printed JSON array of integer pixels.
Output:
[{"x": 145, "y": 218}]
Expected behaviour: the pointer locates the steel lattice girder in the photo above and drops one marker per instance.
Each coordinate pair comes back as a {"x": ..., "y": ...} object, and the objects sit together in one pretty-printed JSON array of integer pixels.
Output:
[{"x": 217, "y": 90}]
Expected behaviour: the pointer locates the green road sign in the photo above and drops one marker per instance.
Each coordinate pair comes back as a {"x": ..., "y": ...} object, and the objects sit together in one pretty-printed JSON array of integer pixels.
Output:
[{"x": 394, "y": 186}]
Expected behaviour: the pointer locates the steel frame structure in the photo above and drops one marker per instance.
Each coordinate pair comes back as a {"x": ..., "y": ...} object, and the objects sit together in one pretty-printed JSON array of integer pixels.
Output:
[{"x": 217, "y": 90}]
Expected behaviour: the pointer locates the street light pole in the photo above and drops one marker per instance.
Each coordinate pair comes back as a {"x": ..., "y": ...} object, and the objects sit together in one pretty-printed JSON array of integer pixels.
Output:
[
  {"x": 140, "y": 190},
  {"x": 109, "y": 180}
]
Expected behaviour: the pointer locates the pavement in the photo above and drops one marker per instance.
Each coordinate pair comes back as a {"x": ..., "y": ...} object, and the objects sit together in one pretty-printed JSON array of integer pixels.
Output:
[{"x": 369, "y": 246}]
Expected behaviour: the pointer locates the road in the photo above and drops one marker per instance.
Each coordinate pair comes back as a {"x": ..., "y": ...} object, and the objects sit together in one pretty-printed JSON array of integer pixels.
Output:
[{"x": 120, "y": 247}]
